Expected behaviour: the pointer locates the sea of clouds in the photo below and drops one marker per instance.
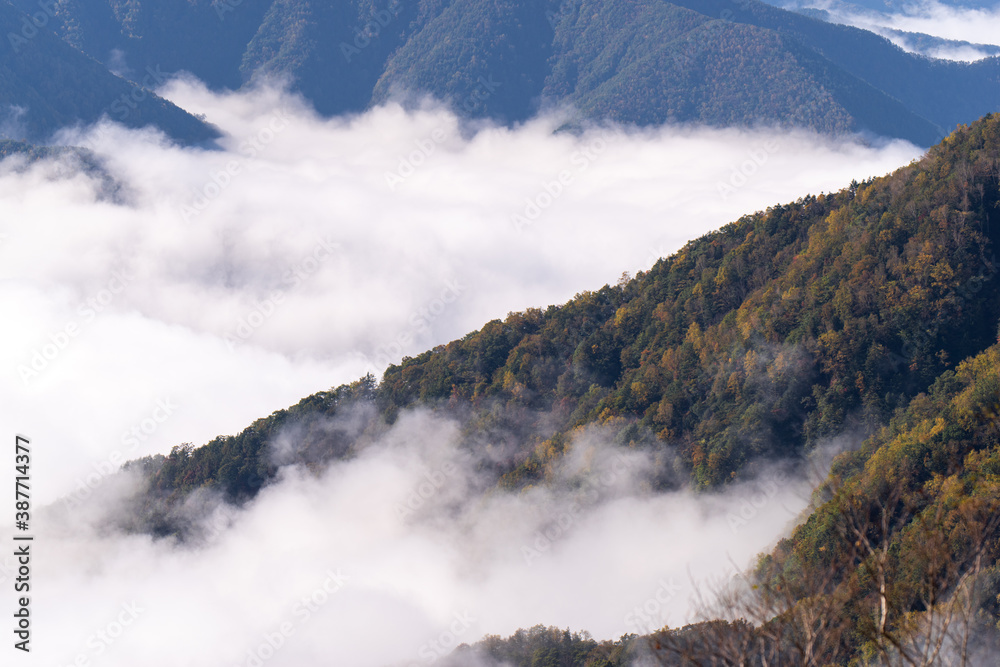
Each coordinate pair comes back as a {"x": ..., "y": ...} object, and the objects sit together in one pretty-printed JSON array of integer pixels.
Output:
[{"x": 181, "y": 293}]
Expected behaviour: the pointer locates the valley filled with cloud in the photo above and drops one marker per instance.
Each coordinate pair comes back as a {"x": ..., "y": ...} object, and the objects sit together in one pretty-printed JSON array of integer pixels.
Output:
[{"x": 174, "y": 294}]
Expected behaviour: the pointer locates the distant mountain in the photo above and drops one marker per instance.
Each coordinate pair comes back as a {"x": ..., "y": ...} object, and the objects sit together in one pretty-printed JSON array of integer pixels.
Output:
[
  {"x": 692, "y": 65},
  {"x": 45, "y": 85},
  {"x": 205, "y": 37},
  {"x": 946, "y": 93},
  {"x": 637, "y": 61},
  {"x": 642, "y": 62}
]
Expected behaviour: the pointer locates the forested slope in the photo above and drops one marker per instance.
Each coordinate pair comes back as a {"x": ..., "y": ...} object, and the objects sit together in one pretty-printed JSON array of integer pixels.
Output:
[{"x": 753, "y": 342}]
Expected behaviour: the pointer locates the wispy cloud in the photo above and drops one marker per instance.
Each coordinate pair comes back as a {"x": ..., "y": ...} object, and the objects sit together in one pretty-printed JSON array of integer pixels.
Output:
[
  {"x": 325, "y": 568},
  {"x": 924, "y": 17}
]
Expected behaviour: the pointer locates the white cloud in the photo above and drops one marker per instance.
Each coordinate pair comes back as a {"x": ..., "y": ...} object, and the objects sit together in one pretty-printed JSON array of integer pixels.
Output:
[
  {"x": 927, "y": 17},
  {"x": 977, "y": 26},
  {"x": 961, "y": 53},
  {"x": 334, "y": 571}
]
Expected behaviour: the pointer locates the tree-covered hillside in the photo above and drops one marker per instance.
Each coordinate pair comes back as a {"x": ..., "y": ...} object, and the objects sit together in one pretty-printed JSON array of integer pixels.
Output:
[
  {"x": 755, "y": 341},
  {"x": 898, "y": 562},
  {"x": 773, "y": 332}
]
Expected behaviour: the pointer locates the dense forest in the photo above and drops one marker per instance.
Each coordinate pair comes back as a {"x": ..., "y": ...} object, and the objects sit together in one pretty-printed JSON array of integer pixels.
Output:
[
  {"x": 714, "y": 62},
  {"x": 871, "y": 311}
]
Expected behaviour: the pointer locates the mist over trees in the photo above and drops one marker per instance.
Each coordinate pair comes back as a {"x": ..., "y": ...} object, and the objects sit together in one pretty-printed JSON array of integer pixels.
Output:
[{"x": 871, "y": 310}]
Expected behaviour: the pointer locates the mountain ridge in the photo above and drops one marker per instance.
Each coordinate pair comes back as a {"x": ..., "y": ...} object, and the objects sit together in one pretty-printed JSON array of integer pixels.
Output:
[
  {"x": 714, "y": 62},
  {"x": 765, "y": 320}
]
